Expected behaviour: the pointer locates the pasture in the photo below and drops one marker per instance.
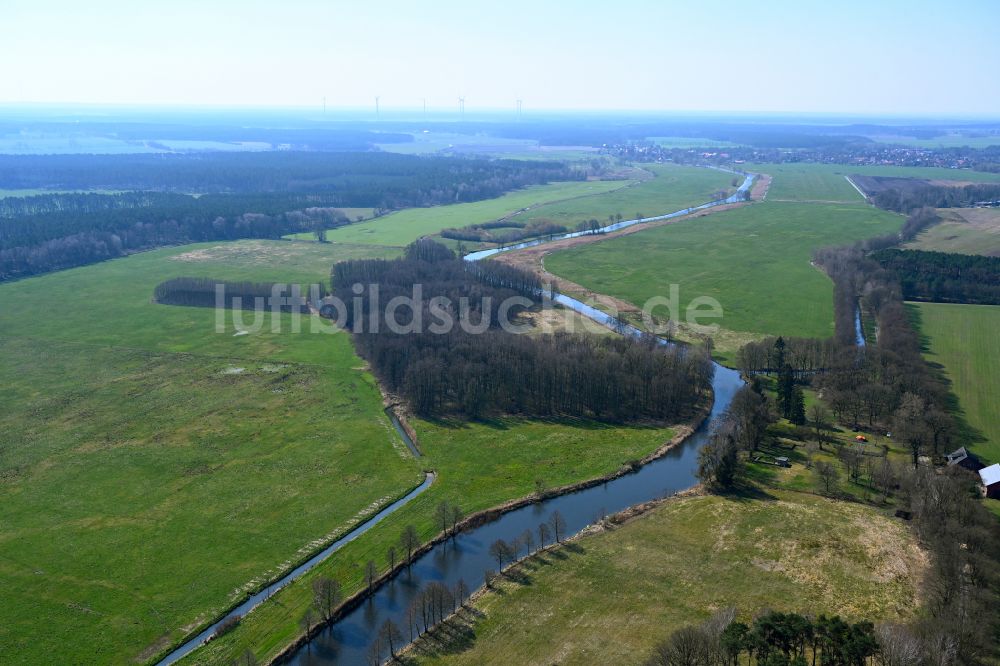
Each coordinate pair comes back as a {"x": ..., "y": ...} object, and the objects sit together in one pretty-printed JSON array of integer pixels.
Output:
[
  {"x": 826, "y": 182},
  {"x": 609, "y": 597},
  {"x": 962, "y": 231},
  {"x": 405, "y": 226},
  {"x": 673, "y": 188},
  {"x": 962, "y": 339},
  {"x": 754, "y": 260},
  {"x": 153, "y": 470}
]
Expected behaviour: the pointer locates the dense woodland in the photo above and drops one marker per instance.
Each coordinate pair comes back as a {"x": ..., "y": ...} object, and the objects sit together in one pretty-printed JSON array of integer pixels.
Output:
[
  {"x": 369, "y": 178},
  {"x": 269, "y": 195},
  {"x": 474, "y": 374},
  {"x": 944, "y": 277}
]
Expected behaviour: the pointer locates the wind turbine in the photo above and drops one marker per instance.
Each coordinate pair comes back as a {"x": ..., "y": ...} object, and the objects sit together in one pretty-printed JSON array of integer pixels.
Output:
[
  {"x": 519, "y": 103},
  {"x": 376, "y": 107},
  {"x": 461, "y": 106}
]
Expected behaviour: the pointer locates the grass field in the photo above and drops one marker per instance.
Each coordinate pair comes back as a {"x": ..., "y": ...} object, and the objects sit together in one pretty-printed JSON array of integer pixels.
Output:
[
  {"x": 611, "y": 596},
  {"x": 826, "y": 182},
  {"x": 754, "y": 260},
  {"x": 404, "y": 227},
  {"x": 963, "y": 339},
  {"x": 152, "y": 469},
  {"x": 962, "y": 230},
  {"x": 673, "y": 188},
  {"x": 944, "y": 141}
]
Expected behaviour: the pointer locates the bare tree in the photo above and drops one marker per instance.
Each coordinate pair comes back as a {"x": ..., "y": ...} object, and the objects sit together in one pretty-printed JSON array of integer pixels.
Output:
[
  {"x": 390, "y": 554},
  {"x": 488, "y": 577},
  {"x": 828, "y": 476},
  {"x": 528, "y": 540},
  {"x": 326, "y": 596},
  {"x": 391, "y": 636},
  {"x": 374, "y": 653},
  {"x": 543, "y": 534},
  {"x": 455, "y": 515},
  {"x": 371, "y": 574},
  {"x": 461, "y": 591},
  {"x": 499, "y": 550},
  {"x": 443, "y": 514},
  {"x": 306, "y": 623},
  {"x": 410, "y": 542},
  {"x": 558, "y": 525}
]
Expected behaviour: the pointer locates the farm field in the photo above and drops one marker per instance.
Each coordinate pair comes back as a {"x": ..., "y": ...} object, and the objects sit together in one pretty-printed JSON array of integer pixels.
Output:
[
  {"x": 214, "y": 460},
  {"x": 609, "y": 597},
  {"x": 754, "y": 260},
  {"x": 826, "y": 182},
  {"x": 568, "y": 204},
  {"x": 962, "y": 339},
  {"x": 405, "y": 226},
  {"x": 963, "y": 231},
  {"x": 673, "y": 188},
  {"x": 942, "y": 141}
]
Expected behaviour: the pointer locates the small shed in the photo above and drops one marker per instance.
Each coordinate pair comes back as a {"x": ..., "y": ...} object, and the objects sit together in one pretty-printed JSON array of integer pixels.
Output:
[{"x": 990, "y": 477}]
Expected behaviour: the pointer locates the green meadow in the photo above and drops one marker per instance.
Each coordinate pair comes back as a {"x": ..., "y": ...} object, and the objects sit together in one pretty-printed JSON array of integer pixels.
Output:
[
  {"x": 405, "y": 226},
  {"x": 673, "y": 188},
  {"x": 153, "y": 470},
  {"x": 755, "y": 261},
  {"x": 962, "y": 339}
]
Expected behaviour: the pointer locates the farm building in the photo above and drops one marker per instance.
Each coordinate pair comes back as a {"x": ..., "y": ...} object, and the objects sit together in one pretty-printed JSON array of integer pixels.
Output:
[
  {"x": 990, "y": 477},
  {"x": 963, "y": 458}
]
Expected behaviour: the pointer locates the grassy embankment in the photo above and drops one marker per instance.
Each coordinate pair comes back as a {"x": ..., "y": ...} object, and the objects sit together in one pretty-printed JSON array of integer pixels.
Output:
[{"x": 147, "y": 481}]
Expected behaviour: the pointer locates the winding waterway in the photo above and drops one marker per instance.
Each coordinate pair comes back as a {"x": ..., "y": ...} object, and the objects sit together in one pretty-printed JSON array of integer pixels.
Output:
[{"x": 466, "y": 557}]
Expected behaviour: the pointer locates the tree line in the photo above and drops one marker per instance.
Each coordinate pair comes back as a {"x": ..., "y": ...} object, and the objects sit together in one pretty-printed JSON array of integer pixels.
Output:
[
  {"x": 513, "y": 231},
  {"x": 773, "y": 639},
  {"x": 904, "y": 200},
  {"x": 371, "y": 178},
  {"x": 56, "y": 231},
  {"x": 488, "y": 370},
  {"x": 201, "y": 292},
  {"x": 944, "y": 277}
]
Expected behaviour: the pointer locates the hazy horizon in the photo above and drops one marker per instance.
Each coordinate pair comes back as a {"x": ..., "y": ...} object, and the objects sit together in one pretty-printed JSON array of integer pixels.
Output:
[{"x": 895, "y": 59}]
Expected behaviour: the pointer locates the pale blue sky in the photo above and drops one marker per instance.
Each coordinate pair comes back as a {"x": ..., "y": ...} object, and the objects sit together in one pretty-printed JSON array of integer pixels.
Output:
[{"x": 877, "y": 56}]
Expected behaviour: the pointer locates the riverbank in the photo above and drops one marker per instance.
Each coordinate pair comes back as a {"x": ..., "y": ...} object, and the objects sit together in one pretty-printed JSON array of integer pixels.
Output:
[{"x": 681, "y": 434}]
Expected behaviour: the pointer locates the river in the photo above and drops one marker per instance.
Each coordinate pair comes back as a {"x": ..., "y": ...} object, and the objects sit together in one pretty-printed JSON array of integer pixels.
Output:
[{"x": 466, "y": 557}]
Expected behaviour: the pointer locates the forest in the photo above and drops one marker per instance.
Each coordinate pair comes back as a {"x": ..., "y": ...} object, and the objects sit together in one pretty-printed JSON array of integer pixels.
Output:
[
  {"x": 944, "y": 277},
  {"x": 477, "y": 369},
  {"x": 268, "y": 195},
  {"x": 371, "y": 176}
]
